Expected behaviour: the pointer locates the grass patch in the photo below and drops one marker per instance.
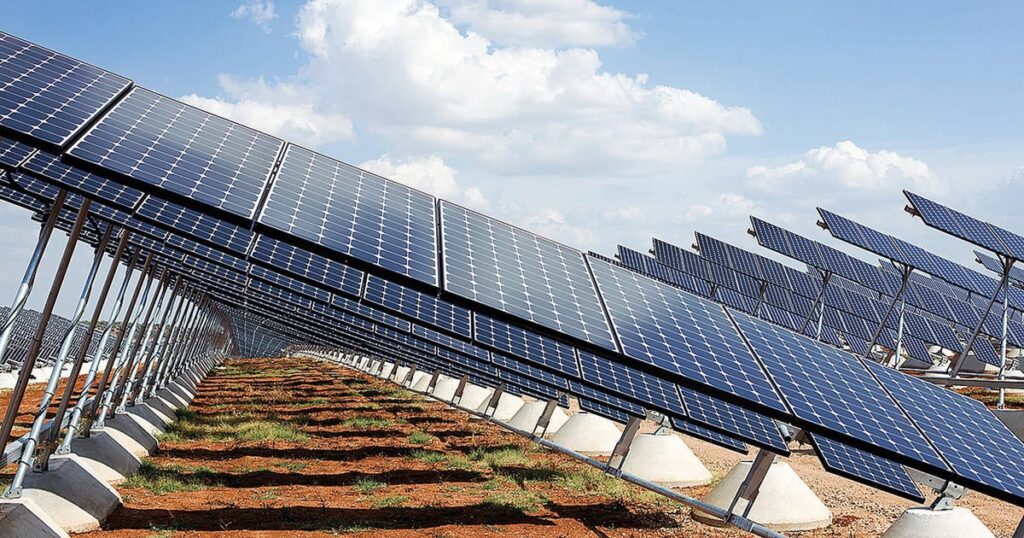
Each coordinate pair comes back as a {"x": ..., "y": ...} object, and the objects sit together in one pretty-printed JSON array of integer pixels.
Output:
[
  {"x": 389, "y": 501},
  {"x": 315, "y": 402},
  {"x": 522, "y": 500},
  {"x": 459, "y": 463},
  {"x": 368, "y": 485},
  {"x": 591, "y": 481},
  {"x": 428, "y": 456},
  {"x": 163, "y": 480},
  {"x": 421, "y": 438},
  {"x": 366, "y": 423},
  {"x": 237, "y": 427},
  {"x": 505, "y": 456},
  {"x": 267, "y": 495}
]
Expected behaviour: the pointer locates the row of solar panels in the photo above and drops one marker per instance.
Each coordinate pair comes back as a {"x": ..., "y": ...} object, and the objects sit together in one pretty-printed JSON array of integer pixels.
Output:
[
  {"x": 25, "y": 328},
  {"x": 103, "y": 125}
]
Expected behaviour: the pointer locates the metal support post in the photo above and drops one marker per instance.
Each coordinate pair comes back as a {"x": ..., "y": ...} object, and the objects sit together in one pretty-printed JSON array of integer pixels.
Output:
[
  {"x": 101, "y": 389},
  {"x": 545, "y": 418},
  {"x": 28, "y": 450},
  {"x": 825, "y": 278},
  {"x": 492, "y": 404},
  {"x": 138, "y": 333},
  {"x": 621, "y": 450},
  {"x": 149, "y": 381},
  {"x": 76, "y": 412},
  {"x": 167, "y": 368},
  {"x": 1002, "y": 348},
  {"x": 751, "y": 485},
  {"x": 899, "y": 334},
  {"x": 139, "y": 383},
  {"x": 433, "y": 380},
  {"x": 981, "y": 323},
  {"x": 762, "y": 289},
  {"x": 457, "y": 397},
  {"x": 906, "y": 272},
  {"x": 141, "y": 347},
  {"x": 30, "y": 273}
]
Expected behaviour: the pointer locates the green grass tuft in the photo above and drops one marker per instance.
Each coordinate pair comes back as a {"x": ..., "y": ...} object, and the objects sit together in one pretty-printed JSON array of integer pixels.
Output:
[
  {"x": 421, "y": 438},
  {"x": 389, "y": 501},
  {"x": 368, "y": 485},
  {"x": 428, "y": 456}
]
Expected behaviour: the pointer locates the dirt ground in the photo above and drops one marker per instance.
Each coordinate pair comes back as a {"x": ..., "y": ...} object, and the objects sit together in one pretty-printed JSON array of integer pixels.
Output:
[{"x": 283, "y": 447}]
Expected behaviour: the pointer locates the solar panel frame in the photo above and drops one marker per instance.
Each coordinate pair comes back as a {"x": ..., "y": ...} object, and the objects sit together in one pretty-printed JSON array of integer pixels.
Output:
[{"x": 865, "y": 468}]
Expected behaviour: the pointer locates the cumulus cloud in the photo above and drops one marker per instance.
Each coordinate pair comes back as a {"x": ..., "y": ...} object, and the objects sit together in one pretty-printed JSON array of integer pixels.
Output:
[
  {"x": 550, "y": 222},
  {"x": 630, "y": 213},
  {"x": 432, "y": 81},
  {"x": 544, "y": 23},
  {"x": 847, "y": 165},
  {"x": 260, "y": 13},
  {"x": 429, "y": 174},
  {"x": 727, "y": 204}
]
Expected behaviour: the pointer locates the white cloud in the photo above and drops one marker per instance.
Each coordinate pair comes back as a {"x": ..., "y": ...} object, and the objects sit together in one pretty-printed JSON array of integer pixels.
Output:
[
  {"x": 630, "y": 213},
  {"x": 286, "y": 113},
  {"x": 260, "y": 13},
  {"x": 550, "y": 222},
  {"x": 544, "y": 23},
  {"x": 409, "y": 71},
  {"x": 727, "y": 204},
  {"x": 850, "y": 166},
  {"x": 429, "y": 174}
]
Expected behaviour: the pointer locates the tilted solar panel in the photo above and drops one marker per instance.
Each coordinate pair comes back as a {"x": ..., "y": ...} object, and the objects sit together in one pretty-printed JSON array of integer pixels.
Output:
[
  {"x": 631, "y": 382},
  {"x": 182, "y": 150},
  {"x": 522, "y": 274},
  {"x": 354, "y": 213},
  {"x": 526, "y": 344},
  {"x": 12, "y": 153},
  {"x": 48, "y": 97},
  {"x": 49, "y": 167},
  {"x": 866, "y": 468},
  {"x": 450, "y": 342},
  {"x": 831, "y": 389},
  {"x": 968, "y": 228},
  {"x": 672, "y": 330},
  {"x": 304, "y": 264},
  {"x": 755, "y": 429},
  {"x": 990, "y": 263},
  {"x": 212, "y": 231},
  {"x": 418, "y": 305}
]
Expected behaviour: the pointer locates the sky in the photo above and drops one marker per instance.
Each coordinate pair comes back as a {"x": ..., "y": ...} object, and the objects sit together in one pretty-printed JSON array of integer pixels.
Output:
[{"x": 595, "y": 123}]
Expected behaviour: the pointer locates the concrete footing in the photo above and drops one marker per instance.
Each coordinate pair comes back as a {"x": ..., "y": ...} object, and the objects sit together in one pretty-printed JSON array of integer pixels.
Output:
[
  {"x": 8, "y": 380},
  {"x": 666, "y": 460},
  {"x": 151, "y": 422},
  {"x": 508, "y": 406},
  {"x": 420, "y": 381},
  {"x": 22, "y": 517},
  {"x": 922, "y": 522},
  {"x": 588, "y": 434},
  {"x": 106, "y": 456},
  {"x": 75, "y": 497},
  {"x": 385, "y": 371},
  {"x": 401, "y": 372},
  {"x": 473, "y": 396},
  {"x": 131, "y": 435},
  {"x": 445, "y": 388},
  {"x": 528, "y": 415},
  {"x": 785, "y": 503}
]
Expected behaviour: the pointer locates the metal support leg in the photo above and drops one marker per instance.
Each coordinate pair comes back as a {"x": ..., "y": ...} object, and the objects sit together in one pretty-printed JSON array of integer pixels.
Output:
[
  {"x": 899, "y": 334},
  {"x": 142, "y": 359},
  {"x": 907, "y": 271},
  {"x": 545, "y": 418},
  {"x": 492, "y": 404},
  {"x": 76, "y": 412},
  {"x": 751, "y": 485},
  {"x": 621, "y": 450},
  {"x": 28, "y": 450},
  {"x": 30, "y": 274},
  {"x": 457, "y": 397},
  {"x": 762, "y": 289},
  {"x": 981, "y": 323},
  {"x": 433, "y": 380},
  {"x": 825, "y": 278},
  {"x": 1002, "y": 348},
  {"x": 160, "y": 350},
  {"x": 101, "y": 389}
]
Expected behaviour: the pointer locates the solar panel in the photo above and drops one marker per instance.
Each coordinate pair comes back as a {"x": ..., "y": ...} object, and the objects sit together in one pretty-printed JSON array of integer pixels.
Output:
[
  {"x": 48, "y": 166},
  {"x": 866, "y": 468},
  {"x": 313, "y": 267},
  {"x": 526, "y": 345},
  {"x": 12, "y": 153},
  {"x": 213, "y": 231},
  {"x": 831, "y": 389},
  {"x": 418, "y": 305},
  {"x": 622, "y": 379},
  {"x": 522, "y": 274},
  {"x": 755, "y": 429},
  {"x": 20, "y": 197},
  {"x": 48, "y": 97},
  {"x": 667, "y": 328},
  {"x": 354, "y": 213},
  {"x": 231, "y": 261},
  {"x": 604, "y": 410},
  {"x": 990, "y": 263},
  {"x": 371, "y": 313},
  {"x": 182, "y": 150},
  {"x": 706, "y": 434},
  {"x": 449, "y": 342},
  {"x": 967, "y": 227},
  {"x": 289, "y": 283},
  {"x": 977, "y": 445}
]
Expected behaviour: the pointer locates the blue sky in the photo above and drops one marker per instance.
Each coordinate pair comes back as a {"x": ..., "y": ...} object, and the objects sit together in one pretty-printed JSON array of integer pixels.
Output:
[{"x": 744, "y": 107}]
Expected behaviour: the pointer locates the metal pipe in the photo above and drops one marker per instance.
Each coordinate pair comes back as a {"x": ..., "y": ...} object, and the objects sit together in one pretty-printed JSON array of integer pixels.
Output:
[
  {"x": 1002, "y": 348},
  {"x": 888, "y": 312},
  {"x": 30, "y": 273},
  {"x": 180, "y": 344},
  {"x": 97, "y": 403},
  {"x": 141, "y": 344},
  {"x": 94, "y": 364},
  {"x": 165, "y": 354},
  {"x": 159, "y": 350},
  {"x": 981, "y": 323},
  {"x": 826, "y": 276},
  {"x": 899, "y": 334},
  {"x": 14, "y": 490},
  {"x": 49, "y": 444}
]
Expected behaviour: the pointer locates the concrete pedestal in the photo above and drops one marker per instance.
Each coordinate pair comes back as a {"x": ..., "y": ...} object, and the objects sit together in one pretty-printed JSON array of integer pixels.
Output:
[
  {"x": 131, "y": 435},
  {"x": 508, "y": 406},
  {"x": 106, "y": 456},
  {"x": 527, "y": 416},
  {"x": 22, "y": 517},
  {"x": 921, "y": 522},
  {"x": 588, "y": 434},
  {"x": 474, "y": 395},
  {"x": 445, "y": 388},
  {"x": 785, "y": 503},
  {"x": 420, "y": 381},
  {"x": 144, "y": 416},
  {"x": 72, "y": 494},
  {"x": 8, "y": 380},
  {"x": 666, "y": 460},
  {"x": 401, "y": 372},
  {"x": 386, "y": 370}
]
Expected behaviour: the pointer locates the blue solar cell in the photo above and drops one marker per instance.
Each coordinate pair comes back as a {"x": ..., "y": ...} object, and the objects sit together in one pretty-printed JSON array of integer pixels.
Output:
[
  {"x": 985, "y": 352},
  {"x": 231, "y": 261},
  {"x": 450, "y": 342},
  {"x": 12, "y": 153},
  {"x": 831, "y": 389},
  {"x": 406, "y": 339},
  {"x": 213, "y": 231},
  {"x": 532, "y": 386},
  {"x": 277, "y": 292},
  {"x": 49, "y": 167},
  {"x": 522, "y": 274},
  {"x": 604, "y": 410},
  {"x": 48, "y": 96},
  {"x": 661, "y": 395},
  {"x": 990, "y": 263},
  {"x": 354, "y": 213},
  {"x": 526, "y": 345},
  {"x": 680, "y": 333},
  {"x": 655, "y": 269},
  {"x": 313, "y": 267},
  {"x": 977, "y": 445},
  {"x": 182, "y": 150},
  {"x": 475, "y": 363},
  {"x": 290, "y": 283},
  {"x": 916, "y": 349},
  {"x": 755, "y": 429},
  {"x": 700, "y": 432},
  {"x": 516, "y": 364},
  {"x": 418, "y": 305},
  {"x": 370, "y": 312},
  {"x": 866, "y": 468},
  {"x": 20, "y": 197},
  {"x": 967, "y": 227}
]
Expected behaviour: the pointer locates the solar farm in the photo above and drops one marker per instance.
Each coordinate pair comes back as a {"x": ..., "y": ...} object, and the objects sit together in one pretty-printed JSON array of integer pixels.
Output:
[{"x": 284, "y": 344}]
